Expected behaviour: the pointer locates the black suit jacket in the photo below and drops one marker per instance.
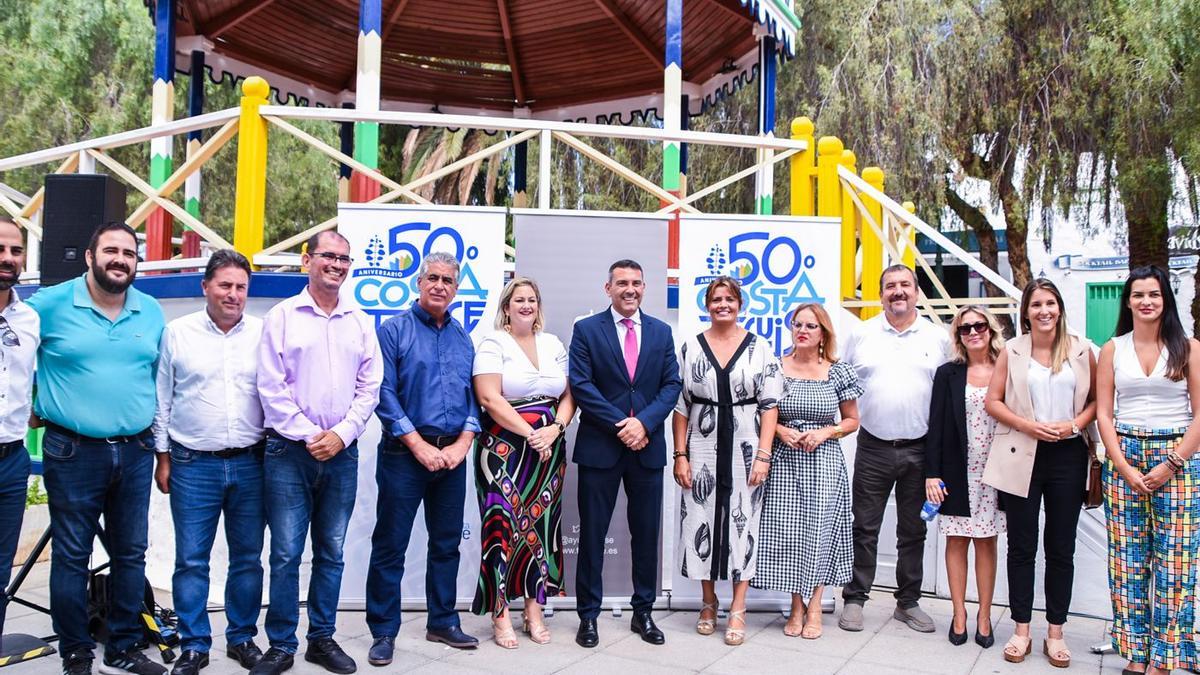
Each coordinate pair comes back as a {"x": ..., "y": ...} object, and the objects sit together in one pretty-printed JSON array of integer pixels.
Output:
[
  {"x": 601, "y": 388},
  {"x": 946, "y": 441}
]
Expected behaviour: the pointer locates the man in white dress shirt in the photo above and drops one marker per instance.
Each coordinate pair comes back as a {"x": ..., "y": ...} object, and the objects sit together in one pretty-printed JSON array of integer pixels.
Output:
[
  {"x": 209, "y": 432},
  {"x": 895, "y": 355},
  {"x": 19, "y": 335}
]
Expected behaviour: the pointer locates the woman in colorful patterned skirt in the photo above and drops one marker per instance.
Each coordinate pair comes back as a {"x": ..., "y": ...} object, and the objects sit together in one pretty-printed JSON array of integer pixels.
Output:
[
  {"x": 956, "y": 450},
  {"x": 806, "y": 523},
  {"x": 521, "y": 382},
  {"x": 1148, "y": 392},
  {"x": 723, "y": 425}
]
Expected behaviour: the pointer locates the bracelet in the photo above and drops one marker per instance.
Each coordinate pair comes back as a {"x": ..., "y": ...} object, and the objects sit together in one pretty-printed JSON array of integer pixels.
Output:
[
  {"x": 679, "y": 454},
  {"x": 838, "y": 431},
  {"x": 764, "y": 460},
  {"x": 1175, "y": 460}
]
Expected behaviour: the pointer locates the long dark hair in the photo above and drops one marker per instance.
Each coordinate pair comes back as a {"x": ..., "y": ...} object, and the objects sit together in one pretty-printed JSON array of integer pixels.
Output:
[{"x": 1170, "y": 329}]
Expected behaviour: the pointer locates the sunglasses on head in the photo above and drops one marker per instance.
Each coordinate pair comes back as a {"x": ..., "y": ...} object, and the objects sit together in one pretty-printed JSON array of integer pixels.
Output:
[{"x": 966, "y": 329}]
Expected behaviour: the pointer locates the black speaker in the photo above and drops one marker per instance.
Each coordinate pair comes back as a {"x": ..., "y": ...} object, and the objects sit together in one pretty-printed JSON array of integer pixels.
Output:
[{"x": 76, "y": 204}]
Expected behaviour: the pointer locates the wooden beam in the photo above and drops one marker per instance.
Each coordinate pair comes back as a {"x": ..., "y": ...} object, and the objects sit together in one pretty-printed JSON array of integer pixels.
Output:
[
  {"x": 624, "y": 172},
  {"x": 35, "y": 202},
  {"x": 239, "y": 13},
  {"x": 510, "y": 50},
  {"x": 390, "y": 24},
  {"x": 192, "y": 165},
  {"x": 639, "y": 39}
]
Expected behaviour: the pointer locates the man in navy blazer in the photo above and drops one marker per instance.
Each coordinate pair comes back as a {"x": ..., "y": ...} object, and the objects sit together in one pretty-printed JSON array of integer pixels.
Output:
[{"x": 625, "y": 379}]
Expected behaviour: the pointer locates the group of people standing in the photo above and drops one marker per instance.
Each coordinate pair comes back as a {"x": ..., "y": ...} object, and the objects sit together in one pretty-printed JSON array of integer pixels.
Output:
[{"x": 258, "y": 421}]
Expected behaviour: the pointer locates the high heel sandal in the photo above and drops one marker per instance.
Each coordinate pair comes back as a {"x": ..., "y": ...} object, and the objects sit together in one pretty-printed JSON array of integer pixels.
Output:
[
  {"x": 1017, "y": 648},
  {"x": 735, "y": 636},
  {"x": 1054, "y": 649},
  {"x": 708, "y": 626},
  {"x": 812, "y": 626},
  {"x": 505, "y": 636},
  {"x": 539, "y": 634}
]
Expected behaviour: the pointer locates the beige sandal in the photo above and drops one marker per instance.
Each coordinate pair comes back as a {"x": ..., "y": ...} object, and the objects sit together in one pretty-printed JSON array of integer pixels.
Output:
[
  {"x": 708, "y": 626},
  {"x": 735, "y": 636},
  {"x": 539, "y": 633},
  {"x": 1056, "y": 650},
  {"x": 812, "y": 627},
  {"x": 504, "y": 636},
  {"x": 1017, "y": 648}
]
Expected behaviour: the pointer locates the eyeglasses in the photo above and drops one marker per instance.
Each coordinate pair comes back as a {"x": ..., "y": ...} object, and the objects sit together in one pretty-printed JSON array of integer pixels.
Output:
[
  {"x": 966, "y": 329},
  {"x": 333, "y": 257},
  {"x": 807, "y": 325},
  {"x": 8, "y": 336}
]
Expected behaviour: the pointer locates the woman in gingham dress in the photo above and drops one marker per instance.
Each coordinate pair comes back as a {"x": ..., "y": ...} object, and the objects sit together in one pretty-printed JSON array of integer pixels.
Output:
[
  {"x": 1147, "y": 397},
  {"x": 805, "y": 531}
]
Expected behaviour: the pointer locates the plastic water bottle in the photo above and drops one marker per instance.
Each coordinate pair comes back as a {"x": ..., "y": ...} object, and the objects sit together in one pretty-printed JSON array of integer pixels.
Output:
[{"x": 929, "y": 510}]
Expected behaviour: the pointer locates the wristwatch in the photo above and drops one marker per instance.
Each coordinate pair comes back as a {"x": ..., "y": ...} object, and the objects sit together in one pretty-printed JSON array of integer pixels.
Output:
[
  {"x": 562, "y": 428},
  {"x": 1074, "y": 428}
]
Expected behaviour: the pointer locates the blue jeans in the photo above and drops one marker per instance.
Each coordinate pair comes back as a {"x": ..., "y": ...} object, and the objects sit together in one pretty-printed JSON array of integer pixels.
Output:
[
  {"x": 85, "y": 480},
  {"x": 301, "y": 491},
  {"x": 203, "y": 487},
  {"x": 403, "y": 484},
  {"x": 14, "y": 484}
]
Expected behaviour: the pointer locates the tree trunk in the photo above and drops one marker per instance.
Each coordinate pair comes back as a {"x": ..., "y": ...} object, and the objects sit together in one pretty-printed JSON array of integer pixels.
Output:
[
  {"x": 989, "y": 249},
  {"x": 1145, "y": 185}
]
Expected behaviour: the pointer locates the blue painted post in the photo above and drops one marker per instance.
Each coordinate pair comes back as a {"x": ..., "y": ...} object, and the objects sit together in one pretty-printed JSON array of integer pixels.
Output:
[
  {"x": 159, "y": 224},
  {"x": 764, "y": 183},
  {"x": 191, "y": 188}
]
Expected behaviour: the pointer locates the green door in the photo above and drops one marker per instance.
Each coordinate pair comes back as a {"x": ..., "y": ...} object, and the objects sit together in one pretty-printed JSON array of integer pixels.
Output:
[{"x": 1103, "y": 305}]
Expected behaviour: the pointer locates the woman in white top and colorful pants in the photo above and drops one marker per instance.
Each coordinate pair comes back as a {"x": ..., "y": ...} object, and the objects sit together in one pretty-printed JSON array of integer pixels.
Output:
[{"x": 1148, "y": 388}]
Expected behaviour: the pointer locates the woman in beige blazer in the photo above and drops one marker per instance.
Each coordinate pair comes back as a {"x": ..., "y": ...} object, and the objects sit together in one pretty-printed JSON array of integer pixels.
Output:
[{"x": 1042, "y": 396}]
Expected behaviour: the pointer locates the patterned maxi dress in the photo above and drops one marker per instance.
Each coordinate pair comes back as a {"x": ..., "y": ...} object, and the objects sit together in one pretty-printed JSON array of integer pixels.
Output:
[
  {"x": 806, "y": 522},
  {"x": 520, "y": 496},
  {"x": 719, "y": 515}
]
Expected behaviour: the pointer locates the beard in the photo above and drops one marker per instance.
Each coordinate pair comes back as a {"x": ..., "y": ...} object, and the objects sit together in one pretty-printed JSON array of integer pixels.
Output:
[
  {"x": 110, "y": 286},
  {"x": 5, "y": 283}
]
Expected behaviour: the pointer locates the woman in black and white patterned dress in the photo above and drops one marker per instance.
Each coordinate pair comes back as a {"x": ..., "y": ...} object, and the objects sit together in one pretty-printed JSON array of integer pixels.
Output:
[
  {"x": 723, "y": 425},
  {"x": 804, "y": 542}
]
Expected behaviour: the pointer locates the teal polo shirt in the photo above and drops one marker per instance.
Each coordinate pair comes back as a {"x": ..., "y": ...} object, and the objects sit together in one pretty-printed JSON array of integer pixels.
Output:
[{"x": 96, "y": 376}]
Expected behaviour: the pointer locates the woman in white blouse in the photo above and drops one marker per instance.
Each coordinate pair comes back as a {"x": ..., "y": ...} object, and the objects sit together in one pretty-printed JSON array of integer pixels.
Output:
[
  {"x": 521, "y": 383},
  {"x": 1148, "y": 393}
]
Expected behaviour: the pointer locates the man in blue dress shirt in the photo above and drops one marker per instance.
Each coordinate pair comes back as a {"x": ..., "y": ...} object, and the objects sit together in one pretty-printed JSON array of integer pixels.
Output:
[
  {"x": 429, "y": 418},
  {"x": 99, "y": 336}
]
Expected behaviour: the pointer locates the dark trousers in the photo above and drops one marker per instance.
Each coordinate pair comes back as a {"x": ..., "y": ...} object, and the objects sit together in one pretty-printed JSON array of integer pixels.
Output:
[
  {"x": 404, "y": 484},
  {"x": 597, "y": 494},
  {"x": 14, "y": 483},
  {"x": 304, "y": 496},
  {"x": 205, "y": 487},
  {"x": 878, "y": 467},
  {"x": 1058, "y": 482},
  {"x": 87, "y": 479}
]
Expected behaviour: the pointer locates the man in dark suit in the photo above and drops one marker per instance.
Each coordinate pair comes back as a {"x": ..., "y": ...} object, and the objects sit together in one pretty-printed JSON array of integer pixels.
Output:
[{"x": 625, "y": 380}]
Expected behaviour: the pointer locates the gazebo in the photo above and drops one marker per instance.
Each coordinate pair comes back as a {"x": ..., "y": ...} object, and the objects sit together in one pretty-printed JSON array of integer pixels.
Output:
[{"x": 606, "y": 61}]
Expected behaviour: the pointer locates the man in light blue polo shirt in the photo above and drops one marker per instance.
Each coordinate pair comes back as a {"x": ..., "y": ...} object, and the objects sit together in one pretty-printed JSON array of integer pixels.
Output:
[{"x": 96, "y": 396}]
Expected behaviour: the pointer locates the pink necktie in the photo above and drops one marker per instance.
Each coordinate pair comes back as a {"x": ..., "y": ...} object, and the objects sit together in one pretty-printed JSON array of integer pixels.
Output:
[{"x": 631, "y": 353}]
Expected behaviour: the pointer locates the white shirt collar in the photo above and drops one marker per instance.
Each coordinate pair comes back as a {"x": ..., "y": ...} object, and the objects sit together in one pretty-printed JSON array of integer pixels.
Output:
[{"x": 617, "y": 318}]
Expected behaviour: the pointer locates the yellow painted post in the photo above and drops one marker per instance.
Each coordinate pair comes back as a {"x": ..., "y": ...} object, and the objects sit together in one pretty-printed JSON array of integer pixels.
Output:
[
  {"x": 251, "y": 201},
  {"x": 872, "y": 247},
  {"x": 849, "y": 230},
  {"x": 801, "y": 167},
  {"x": 910, "y": 253}
]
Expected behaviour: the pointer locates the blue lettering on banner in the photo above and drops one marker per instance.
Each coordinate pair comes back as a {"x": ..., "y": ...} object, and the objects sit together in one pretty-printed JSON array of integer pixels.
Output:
[
  {"x": 388, "y": 283},
  {"x": 774, "y": 277}
]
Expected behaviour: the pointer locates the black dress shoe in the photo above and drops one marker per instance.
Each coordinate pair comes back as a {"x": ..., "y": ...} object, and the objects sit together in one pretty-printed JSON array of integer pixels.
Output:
[
  {"x": 190, "y": 662},
  {"x": 274, "y": 662},
  {"x": 956, "y": 639},
  {"x": 587, "y": 636},
  {"x": 984, "y": 641},
  {"x": 329, "y": 655},
  {"x": 643, "y": 624},
  {"x": 381, "y": 651},
  {"x": 453, "y": 636},
  {"x": 245, "y": 653}
]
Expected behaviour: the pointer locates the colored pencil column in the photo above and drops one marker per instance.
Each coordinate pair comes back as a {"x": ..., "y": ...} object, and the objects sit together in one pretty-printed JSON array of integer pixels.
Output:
[
  {"x": 162, "y": 110},
  {"x": 366, "y": 98}
]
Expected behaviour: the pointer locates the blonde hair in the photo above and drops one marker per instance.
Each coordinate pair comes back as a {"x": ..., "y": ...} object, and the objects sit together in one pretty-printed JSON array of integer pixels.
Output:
[
  {"x": 502, "y": 319},
  {"x": 1060, "y": 350},
  {"x": 827, "y": 349},
  {"x": 958, "y": 352}
]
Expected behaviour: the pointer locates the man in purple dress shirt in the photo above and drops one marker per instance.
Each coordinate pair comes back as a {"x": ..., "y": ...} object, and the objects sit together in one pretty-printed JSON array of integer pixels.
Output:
[{"x": 318, "y": 377}]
